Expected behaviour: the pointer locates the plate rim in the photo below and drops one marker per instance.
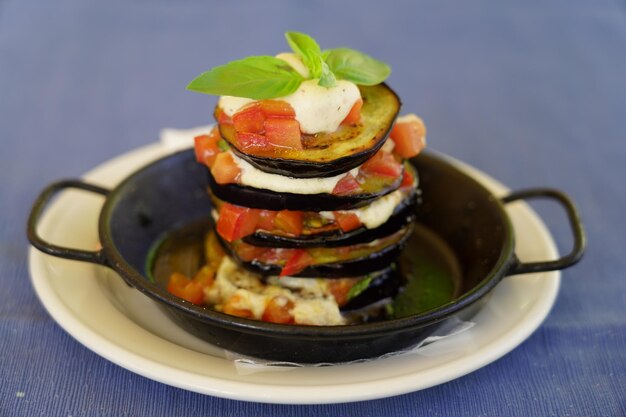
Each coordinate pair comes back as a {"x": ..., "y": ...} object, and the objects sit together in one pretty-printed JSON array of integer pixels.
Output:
[{"x": 277, "y": 393}]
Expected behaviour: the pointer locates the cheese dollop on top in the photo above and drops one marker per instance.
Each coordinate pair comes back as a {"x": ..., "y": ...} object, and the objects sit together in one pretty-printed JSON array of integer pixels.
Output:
[{"x": 318, "y": 109}]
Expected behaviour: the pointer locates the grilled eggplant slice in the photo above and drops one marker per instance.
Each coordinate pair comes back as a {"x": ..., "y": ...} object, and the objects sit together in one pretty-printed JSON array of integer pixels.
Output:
[
  {"x": 368, "y": 258},
  {"x": 246, "y": 196},
  {"x": 383, "y": 285},
  {"x": 329, "y": 154},
  {"x": 403, "y": 214}
]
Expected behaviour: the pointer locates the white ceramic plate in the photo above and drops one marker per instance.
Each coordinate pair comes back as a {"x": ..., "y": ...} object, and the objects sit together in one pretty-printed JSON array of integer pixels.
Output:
[{"x": 118, "y": 323}]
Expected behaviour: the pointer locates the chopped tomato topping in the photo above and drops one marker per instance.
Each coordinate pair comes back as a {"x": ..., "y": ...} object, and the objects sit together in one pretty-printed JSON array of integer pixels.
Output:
[
  {"x": 407, "y": 179},
  {"x": 235, "y": 222},
  {"x": 382, "y": 163},
  {"x": 224, "y": 169},
  {"x": 347, "y": 221},
  {"x": 249, "y": 119},
  {"x": 347, "y": 185},
  {"x": 340, "y": 288},
  {"x": 185, "y": 288},
  {"x": 278, "y": 310},
  {"x": 355, "y": 113},
  {"x": 409, "y": 137},
  {"x": 289, "y": 221},
  {"x": 284, "y": 133},
  {"x": 277, "y": 108},
  {"x": 206, "y": 147},
  {"x": 249, "y": 142},
  {"x": 266, "y": 220},
  {"x": 298, "y": 260}
]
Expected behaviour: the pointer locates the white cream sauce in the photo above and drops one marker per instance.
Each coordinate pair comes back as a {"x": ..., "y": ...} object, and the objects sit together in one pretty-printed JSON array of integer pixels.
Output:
[{"x": 254, "y": 177}]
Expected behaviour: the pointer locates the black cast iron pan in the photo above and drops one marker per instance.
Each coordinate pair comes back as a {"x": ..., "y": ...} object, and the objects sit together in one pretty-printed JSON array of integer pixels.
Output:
[{"x": 171, "y": 192}]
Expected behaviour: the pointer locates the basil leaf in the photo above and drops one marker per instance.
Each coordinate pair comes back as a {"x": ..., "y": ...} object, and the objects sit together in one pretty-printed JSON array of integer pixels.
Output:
[
  {"x": 255, "y": 77},
  {"x": 327, "y": 78},
  {"x": 308, "y": 50},
  {"x": 359, "y": 287},
  {"x": 355, "y": 66}
]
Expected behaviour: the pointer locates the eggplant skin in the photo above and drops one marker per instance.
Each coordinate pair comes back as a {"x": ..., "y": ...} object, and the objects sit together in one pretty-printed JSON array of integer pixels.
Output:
[
  {"x": 386, "y": 285},
  {"x": 375, "y": 261},
  {"x": 328, "y": 155},
  {"x": 245, "y": 196},
  {"x": 404, "y": 214}
]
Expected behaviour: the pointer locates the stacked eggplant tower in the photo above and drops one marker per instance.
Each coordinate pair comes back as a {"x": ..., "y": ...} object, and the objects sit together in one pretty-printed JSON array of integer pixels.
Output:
[{"x": 313, "y": 197}]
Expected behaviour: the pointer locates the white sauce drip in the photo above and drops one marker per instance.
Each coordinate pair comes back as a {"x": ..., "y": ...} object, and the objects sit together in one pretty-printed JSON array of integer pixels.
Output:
[
  {"x": 256, "y": 178},
  {"x": 375, "y": 213}
]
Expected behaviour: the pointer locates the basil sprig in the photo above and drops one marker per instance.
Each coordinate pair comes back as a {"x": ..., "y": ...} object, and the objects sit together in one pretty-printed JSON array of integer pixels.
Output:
[{"x": 267, "y": 77}]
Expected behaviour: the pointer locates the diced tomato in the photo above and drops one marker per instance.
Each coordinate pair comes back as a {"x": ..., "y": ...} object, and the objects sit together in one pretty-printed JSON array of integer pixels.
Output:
[
  {"x": 355, "y": 113},
  {"x": 221, "y": 117},
  {"x": 407, "y": 179},
  {"x": 231, "y": 306},
  {"x": 248, "y": 252},
  {"x": 277, "y": 108},
  {"x": 224, "y": 169},
  {"x": 289, "y": 221},
  {"x": 409, "y": 136},
  {"x": 235, "y": 222},
  {"x": 249, "y": 119},
  {"x": 283, "y": 133},
  {"x": 347, "y": 221},
  {"x": 340, "y": 288},
  {"x": 278, "y": 310},
  {"x": 299, "y": 260},
  {"x": 206, "y": 147},
  {"x": 185, "y": 288},
  {"x": 266, "y": 220},
  {"x": 250, "y": 142},
  {"x": 383, "y": 163},
  {"x": 346, "y": 186}
]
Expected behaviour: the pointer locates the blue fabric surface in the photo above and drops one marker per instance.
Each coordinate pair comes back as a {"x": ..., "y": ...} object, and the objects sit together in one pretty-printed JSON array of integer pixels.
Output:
[{"x": 533, "y": 93}]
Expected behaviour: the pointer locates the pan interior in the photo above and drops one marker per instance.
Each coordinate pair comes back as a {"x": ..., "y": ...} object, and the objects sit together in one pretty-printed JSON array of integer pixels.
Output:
[{"x": 171, "y": 193}]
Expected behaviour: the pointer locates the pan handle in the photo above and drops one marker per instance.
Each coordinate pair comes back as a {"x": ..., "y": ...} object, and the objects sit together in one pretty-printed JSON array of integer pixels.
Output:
[
  {"x": 576, "y": 225},
  {"x": 42, "y": 201}
]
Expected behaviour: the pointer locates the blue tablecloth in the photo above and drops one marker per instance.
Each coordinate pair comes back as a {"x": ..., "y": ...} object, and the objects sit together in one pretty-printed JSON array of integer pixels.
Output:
[{"x": 533, "y": 93}]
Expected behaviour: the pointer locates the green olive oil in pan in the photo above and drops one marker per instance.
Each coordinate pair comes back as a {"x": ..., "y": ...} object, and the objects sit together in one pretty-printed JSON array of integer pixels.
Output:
[{"x": 432, "y": 272}]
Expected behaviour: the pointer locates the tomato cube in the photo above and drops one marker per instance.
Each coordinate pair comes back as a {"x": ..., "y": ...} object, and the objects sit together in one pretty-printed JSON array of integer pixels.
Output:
[
  {"x": 355, "y": 113},
  {"x": 206, "y": 148},
  {"x": 283, "y": 133},
  {"x": 347, "y": 221},
  {"x": 266, "y": 220},
  {"x": 289, "y": 222},
  {"x": 278, "y": 310},
  {"x": 409, "y": 135},
  {"x": 249, "y": 119},
  {"x": 251, "y": 142},
  {"x": 340, "y": 288},
  {"x": 407, "y": 179},
  {"x": 235, "y": 222},
  {"x": 183, "y": 287},
  {"x": 346, "y": 186},
  {"x": 224, "y": 169},
  {"x": 383, "y": 163},
  {"x": 277, "y": 109},
  {"x": 298, "y": 261}
]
